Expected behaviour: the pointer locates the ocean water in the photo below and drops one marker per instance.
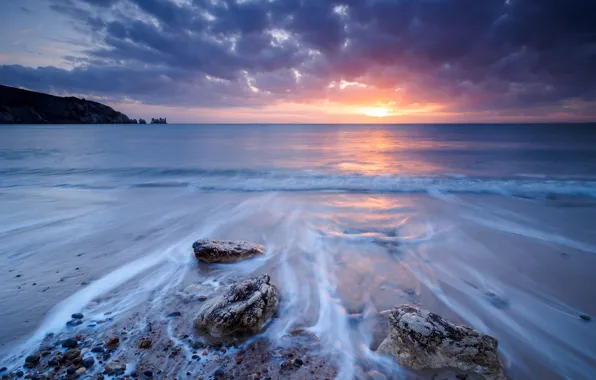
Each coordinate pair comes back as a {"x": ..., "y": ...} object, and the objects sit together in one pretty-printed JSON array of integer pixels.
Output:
[{"x": 488, "y": 225}]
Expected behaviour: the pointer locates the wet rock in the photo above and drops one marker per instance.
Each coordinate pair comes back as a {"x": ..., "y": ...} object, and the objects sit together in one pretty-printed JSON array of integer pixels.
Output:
[
  {"x": 420, "y": 339},
  {"x": 88, "y": 362},
  {"x": 115, "y": 367},
  {"x": 77, "y": 316},
  {"x": 174, "y": 314},
  {"x": 145, "y": 343},
  {"x": 72, "y": 354},
  {"x": 69, "y": 343},
  {"x": 148, "y": 374},
  {"x": 81, "y": 371},
  {"x": 97, "y": 349},
  {"x": 219, "y": 374},
  {"x": 3, "y": 369},
  {"x": 243, "y": 307},
  {"x": 113, "y": 343},
  {"x": 225, "y": 251},
  {"x": 585, "y": 317},
  {"x": 74, "y": 322},
  {"x": 20, "y": 373},
  {"x": 32, "y": 360},
  {"x": 203, "y": 298},
  {"x": 298, "y": 362}
]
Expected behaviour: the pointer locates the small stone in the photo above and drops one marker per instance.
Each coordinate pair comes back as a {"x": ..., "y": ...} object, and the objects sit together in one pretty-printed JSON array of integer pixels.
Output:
[
  {"x": 81, "y": 371},
  {"x": 97, "y": 349},
  {"x": 112, "y": 343},
  {"x": 134, "y": 374},
  {"x": 298, "y": 362},
  {"x": 145, "y": 343},
  {"x": 175, "y": 314},
  {"x": 77, "y": 316},
  {"x": 46, "y": 353},
  {"x": 115, "y": 367},
  {"x": 219, "y": 373},
  {"x": 195, "y": 357},
  {"x": 32, "y": 360},
  {"x": 69, "y": 343},
  {"x": 198, "y": 345},
  {"x": 88, "y": 362},
  {"x": 3, "y": 369},
  {"x": 74, "y": 322},
  {"x": 461, "y": 376},
  {"x": 70, "y": 370},
  {"x": 72, "y": 354},
  {"x": 148, "y": 374},
  {"x": 18, "y": 275},
  {"x": 286, "y": 365},
  {"x": 585, "y": 317},
  {"x": 203, "y": 298},
  {"x": 20, "y": 373}
]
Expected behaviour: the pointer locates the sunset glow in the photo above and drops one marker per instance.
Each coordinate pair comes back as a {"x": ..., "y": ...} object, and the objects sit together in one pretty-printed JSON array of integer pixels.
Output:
[{"x": 376, "y": 111}]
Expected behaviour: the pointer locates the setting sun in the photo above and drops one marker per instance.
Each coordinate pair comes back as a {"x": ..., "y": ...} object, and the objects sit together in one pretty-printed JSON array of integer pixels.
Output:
[{"x": 376, "y": 111}]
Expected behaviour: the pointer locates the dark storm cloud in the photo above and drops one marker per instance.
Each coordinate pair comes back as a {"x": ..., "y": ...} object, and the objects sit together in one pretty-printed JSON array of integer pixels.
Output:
[{"x": 472, "y": 55}]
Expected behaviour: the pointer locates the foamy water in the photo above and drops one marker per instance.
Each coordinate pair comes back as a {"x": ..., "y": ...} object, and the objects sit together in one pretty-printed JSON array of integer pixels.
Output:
[{"x": 106, "y": 223}]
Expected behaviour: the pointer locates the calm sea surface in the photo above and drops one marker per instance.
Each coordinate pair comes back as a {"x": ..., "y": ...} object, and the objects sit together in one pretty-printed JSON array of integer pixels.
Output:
[{"x": 489, "y": 225}]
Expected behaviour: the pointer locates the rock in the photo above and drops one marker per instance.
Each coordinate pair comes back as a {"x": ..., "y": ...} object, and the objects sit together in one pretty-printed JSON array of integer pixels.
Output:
[
  {"x": 145, "y": 343},
  {"x": 148, "y": 374},
  {"x": 585, "y": 317},
  {"x": 113, "y": 343},
  {"x": 298, "y": 362},
  {"x": 69, "y": 343},
  {"x": 81, "y": 371},
  {"x": 72, "y": 354},
  {"x": 115, "y": 367},
  {"x": 32, "y": 360},
  {"x": 243, "y": 307},
  {"x": 224, "y": 251},
  {"x": 3, "y": 369},
  {"x": 174, "y": 314},
  {"x": 88, "y": 362},
  {"x": 219, "y": 373},
  {"x": 420, "y": 339},
  {"x": 77, "y": 316},
  {"x": 74, "y": 322},
  {"x": 203, "y": 298},
  {"x": 97, "y": 349}
]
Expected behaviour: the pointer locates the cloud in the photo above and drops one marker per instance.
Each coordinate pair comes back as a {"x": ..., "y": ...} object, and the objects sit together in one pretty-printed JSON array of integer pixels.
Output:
[{"x": 509, "y": 57}]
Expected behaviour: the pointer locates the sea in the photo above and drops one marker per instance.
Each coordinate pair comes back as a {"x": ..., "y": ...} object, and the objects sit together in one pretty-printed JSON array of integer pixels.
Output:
[{"x": 488, "y": 225}]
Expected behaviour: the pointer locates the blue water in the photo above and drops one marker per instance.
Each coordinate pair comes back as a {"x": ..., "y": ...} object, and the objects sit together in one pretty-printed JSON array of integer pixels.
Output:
[{"x": 489, "y": 225}]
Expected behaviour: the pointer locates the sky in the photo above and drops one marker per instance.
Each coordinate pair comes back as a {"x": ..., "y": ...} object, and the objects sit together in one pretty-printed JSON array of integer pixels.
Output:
[{"x": 310, "y": 61}]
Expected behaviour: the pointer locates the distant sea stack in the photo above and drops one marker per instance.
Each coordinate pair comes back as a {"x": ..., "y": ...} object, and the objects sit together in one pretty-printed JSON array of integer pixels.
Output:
[{"x": 159, "y": 121}]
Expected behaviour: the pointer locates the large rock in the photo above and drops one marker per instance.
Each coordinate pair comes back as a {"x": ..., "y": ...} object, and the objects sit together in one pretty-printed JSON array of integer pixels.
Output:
[
  {"x": 225, "y": 251},
  {"x": 243, "y": 307},
  {"x": 420, "y": 339}
]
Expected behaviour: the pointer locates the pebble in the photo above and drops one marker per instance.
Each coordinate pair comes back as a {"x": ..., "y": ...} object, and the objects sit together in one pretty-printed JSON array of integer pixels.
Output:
[
  {"x": 145, "y": 343},
  {"x": 20, "y": 373},
  {"x": 219, "y": 373},
  {"x": 88, "y": 362},
  {"x": 298, "y": 362},
  {"x": 203, "y": 298},
  {"x": 585, "y": 317},
  {"x": 69, "y": 343},
  {"x": 148, "y": 374},
  {"x": 175, "y": 314},
  {"x": 3, "y": 369},
  {"x": 32, "y": 360},
  {"x": 112, "y": 343},
  {"x": 74, "y": 322},
  {"x": 72, "y": 354},
  {"x": 97, "y": 349},
  {"x": 77, "y": 316},
  {"x": 81, "y": 371}
]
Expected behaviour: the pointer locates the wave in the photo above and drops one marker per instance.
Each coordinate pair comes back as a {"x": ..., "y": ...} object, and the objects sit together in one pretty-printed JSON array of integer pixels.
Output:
[{"x": 249, "y": 180}]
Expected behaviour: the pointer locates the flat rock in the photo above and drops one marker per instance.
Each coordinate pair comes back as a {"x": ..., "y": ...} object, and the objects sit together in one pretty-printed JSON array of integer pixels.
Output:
[
  {"x": 420, "y": 339},
  {"x": 243, "y": 307},
  {"x": 115, "y": 367},
  {"x": 225, "y": 251}
]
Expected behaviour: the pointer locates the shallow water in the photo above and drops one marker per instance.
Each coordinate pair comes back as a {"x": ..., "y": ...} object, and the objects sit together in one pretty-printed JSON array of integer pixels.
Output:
[{"x": 487, "y": 225}]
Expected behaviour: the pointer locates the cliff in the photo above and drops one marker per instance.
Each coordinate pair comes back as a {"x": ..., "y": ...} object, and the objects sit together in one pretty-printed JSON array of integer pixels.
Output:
[{"x": 27, "y": 107}]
